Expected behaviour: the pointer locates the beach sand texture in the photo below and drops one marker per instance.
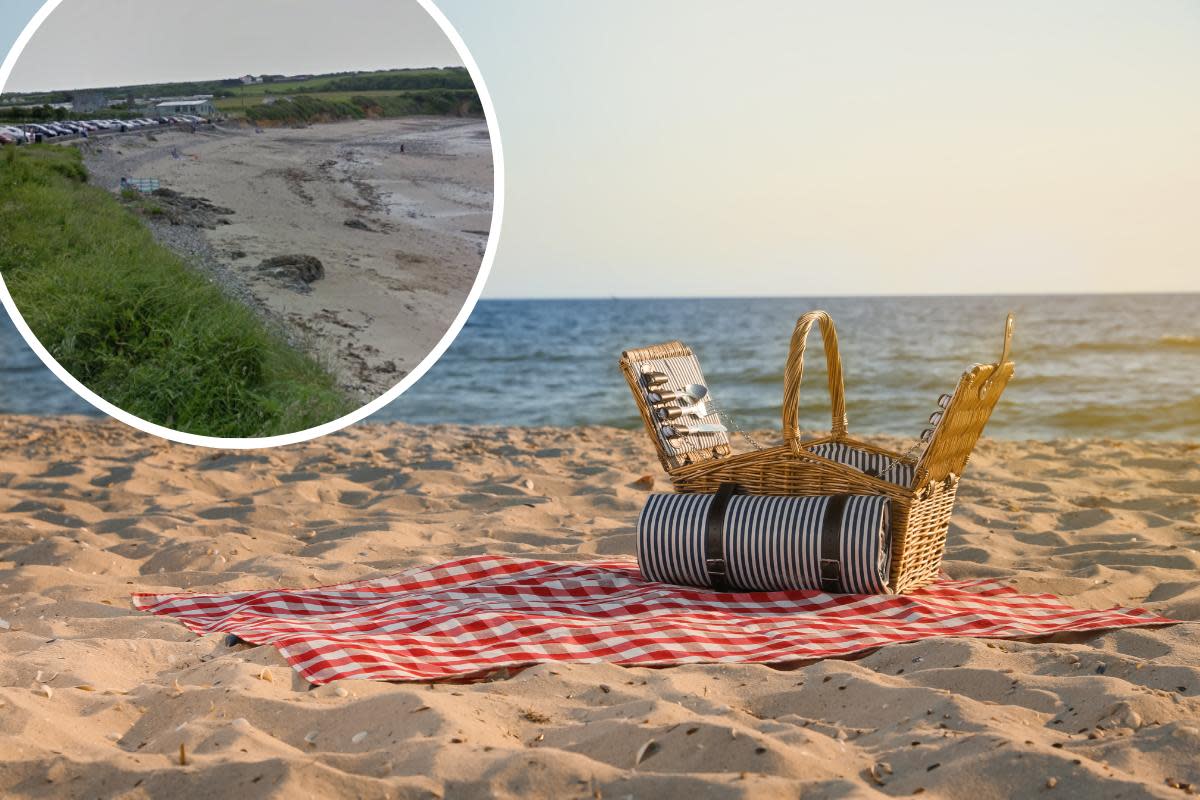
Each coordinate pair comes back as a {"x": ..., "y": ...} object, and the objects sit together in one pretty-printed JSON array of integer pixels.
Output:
[
  {"x": 96, "y": 700},
  {"x": 393, "y": 284}
]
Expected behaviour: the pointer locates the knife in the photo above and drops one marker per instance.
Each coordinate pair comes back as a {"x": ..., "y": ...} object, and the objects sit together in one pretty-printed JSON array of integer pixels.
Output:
[{"x": 674, "y": 431}]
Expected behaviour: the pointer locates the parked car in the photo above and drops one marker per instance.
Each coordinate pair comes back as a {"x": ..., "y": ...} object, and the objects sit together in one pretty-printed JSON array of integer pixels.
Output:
[
  {"x": 19, "y": 135},
  {"x": 7, "y": 138}
]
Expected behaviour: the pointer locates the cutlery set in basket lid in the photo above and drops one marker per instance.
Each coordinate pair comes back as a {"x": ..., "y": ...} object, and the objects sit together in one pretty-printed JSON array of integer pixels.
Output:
[{"x": 724, "y": 538}]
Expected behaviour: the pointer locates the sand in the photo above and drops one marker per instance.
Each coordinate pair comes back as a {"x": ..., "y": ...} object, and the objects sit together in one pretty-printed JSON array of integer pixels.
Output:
[
  {"x": 393, "y": 284},
  {"x": 90, "y": 511}
]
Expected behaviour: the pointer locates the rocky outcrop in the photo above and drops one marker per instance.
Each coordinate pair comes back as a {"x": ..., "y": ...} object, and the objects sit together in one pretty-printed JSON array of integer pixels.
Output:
[
  {"x": 297, "y": 270},
  {"x": 179, "y": 209}
]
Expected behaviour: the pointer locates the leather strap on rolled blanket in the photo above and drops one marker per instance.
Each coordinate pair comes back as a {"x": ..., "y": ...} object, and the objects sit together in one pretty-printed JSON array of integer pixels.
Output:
[
  {"x": 714, "y": 538},
  {"x": 727, "y": 541},
  {"x": 831, "y": 544}
]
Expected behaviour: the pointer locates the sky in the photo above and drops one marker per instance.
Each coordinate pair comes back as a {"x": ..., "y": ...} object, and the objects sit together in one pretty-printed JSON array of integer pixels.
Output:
[
  {"x": 94, "y": 43},
  {"x": 784, "y": 147}
]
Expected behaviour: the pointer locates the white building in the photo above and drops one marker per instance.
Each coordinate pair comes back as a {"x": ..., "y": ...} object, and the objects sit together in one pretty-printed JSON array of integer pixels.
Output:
[
  {"x": 199, "y": 108},
  {"x": 249, "y": 79}
]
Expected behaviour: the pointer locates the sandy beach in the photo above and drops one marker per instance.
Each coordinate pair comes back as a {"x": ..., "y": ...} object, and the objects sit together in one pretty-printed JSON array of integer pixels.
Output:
[
  {"x": 95, "y": 699},
  {"x": 400, "y": 235}
]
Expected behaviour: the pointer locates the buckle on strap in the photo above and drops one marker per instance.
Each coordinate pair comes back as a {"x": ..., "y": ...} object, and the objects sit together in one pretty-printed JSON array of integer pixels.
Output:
[
  {"x": 831, "y": 575},
  {"x": 831, "y": 545},
  {"x": 714, "y": 538}
]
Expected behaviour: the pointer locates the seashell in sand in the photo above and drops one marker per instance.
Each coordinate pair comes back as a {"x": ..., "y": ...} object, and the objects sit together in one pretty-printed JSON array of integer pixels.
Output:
[{"x": 645, "y": 751}]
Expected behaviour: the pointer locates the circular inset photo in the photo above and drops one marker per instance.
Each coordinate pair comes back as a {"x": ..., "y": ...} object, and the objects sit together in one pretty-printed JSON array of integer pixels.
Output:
[{"x": 244, "y": 223}]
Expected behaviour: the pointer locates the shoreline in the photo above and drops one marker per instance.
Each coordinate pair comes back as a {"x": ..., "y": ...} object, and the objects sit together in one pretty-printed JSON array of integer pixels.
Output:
[
  {"x": 400, "y": 237},
  {"x": 91, "y": 511},
  {"x": 768, "y": 437}
]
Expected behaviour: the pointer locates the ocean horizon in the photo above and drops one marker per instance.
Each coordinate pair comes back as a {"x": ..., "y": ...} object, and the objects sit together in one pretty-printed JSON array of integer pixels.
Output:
[{"x": 1088, "y": 366}]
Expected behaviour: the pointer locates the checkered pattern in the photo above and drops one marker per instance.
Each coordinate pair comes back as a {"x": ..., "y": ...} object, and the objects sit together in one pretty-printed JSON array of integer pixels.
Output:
[{"x": 484, "y": 613}]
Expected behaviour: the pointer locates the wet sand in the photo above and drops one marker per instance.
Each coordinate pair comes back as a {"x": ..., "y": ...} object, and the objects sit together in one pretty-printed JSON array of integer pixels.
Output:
[
  {"x": 95, "y": 699},
  {"x": 393, "y": 283}
]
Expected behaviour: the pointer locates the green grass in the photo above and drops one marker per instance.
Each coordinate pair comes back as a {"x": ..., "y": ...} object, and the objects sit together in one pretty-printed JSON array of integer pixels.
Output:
[
  {"x": 329, "y": 106},
  {"x": 234, "y": 104},
  {"x": 132, "y": 322}
]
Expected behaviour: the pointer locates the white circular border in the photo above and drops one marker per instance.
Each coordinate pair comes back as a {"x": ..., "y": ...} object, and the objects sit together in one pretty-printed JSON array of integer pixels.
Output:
[{"x": 447, "y": 339}]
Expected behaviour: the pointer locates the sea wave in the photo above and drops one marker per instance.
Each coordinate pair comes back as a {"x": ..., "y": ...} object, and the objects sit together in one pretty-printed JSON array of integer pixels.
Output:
[
  {"x": 1164, "y": 342},
  {"x": 1181, "y": 417},
  {"x": 1180, "y": 342}
]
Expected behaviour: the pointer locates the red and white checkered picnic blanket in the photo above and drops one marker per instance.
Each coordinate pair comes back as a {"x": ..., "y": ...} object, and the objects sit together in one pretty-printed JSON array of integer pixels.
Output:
[{"x": 483, "y": 613}]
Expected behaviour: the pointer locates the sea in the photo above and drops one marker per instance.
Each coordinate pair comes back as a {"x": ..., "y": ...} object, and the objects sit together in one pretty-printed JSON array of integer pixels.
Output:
[{"x": 1088, "y": 366}]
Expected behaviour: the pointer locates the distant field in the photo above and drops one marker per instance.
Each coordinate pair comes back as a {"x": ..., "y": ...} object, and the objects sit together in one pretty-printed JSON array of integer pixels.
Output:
[
  {"x": 397, "y": 92},
  {"x": 134, "y": 323}
]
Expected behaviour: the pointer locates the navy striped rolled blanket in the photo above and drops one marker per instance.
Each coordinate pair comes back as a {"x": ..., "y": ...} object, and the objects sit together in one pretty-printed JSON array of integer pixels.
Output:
[{"x": 727, "y": 541}]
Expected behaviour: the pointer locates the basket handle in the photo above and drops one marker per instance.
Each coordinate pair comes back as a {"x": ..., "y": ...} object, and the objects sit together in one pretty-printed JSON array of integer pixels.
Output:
[{"x": 794, "y": 374}]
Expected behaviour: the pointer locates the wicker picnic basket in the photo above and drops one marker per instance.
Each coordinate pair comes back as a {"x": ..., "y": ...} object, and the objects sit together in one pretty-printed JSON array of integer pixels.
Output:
[{"x": 920, "y": 512}]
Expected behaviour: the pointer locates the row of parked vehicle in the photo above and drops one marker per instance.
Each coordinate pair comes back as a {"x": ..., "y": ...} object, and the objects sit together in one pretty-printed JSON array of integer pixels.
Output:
[{"x": 45, "y": 131}]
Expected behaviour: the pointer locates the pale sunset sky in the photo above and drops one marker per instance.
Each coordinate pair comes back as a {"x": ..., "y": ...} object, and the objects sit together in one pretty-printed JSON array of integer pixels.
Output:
[{"x": 774, "y": 147}]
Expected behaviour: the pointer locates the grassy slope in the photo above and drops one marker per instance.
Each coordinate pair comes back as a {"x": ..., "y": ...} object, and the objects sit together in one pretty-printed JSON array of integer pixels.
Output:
[
  {"x": 388, "y": 93},
  {"x": 329, "y": 106},
  {"x": 232, "y": 104},
  {"x": 397, "y": 79},
  {"x": 132, "y": 322}
]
